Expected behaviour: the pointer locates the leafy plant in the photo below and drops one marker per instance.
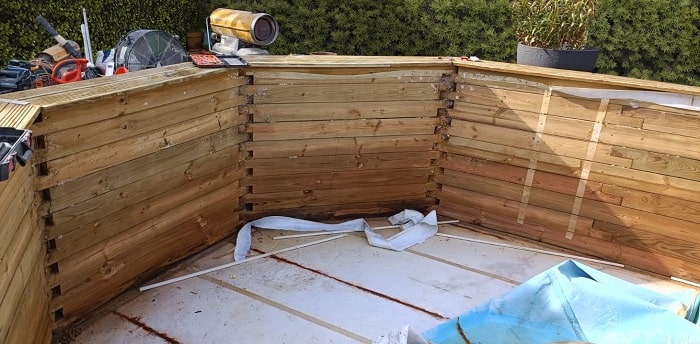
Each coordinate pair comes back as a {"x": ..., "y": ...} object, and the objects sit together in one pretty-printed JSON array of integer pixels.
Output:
[{"x": 553, "y": 24}]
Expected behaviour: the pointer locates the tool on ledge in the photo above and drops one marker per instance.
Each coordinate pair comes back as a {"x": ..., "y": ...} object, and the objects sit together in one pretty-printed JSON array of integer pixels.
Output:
[
  {"x": 61, "y": 41},
  {"x": 15, "y": 146}
]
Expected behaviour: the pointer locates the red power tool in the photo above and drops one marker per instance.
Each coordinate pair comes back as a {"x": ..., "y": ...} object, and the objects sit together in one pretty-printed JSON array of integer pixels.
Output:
[{"x": 69, "y": 70}]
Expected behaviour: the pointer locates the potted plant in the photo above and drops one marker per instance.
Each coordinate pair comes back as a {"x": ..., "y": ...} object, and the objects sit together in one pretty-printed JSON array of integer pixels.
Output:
[{"x": 554, "y": 33}]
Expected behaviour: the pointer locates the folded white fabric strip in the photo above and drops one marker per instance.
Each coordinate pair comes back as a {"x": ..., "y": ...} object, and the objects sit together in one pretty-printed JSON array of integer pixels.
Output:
[{"x": 415, "y": 229}]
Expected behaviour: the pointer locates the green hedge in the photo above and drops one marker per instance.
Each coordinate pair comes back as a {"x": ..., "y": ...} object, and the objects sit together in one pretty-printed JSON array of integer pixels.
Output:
[{"x": 651, "y": 39}]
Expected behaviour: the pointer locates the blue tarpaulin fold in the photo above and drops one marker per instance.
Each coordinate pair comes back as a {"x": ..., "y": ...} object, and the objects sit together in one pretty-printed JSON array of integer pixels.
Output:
[{"x": 573, "y": 302}]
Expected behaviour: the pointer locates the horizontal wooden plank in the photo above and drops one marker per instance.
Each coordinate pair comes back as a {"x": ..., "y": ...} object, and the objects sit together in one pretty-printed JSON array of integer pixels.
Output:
[
  {"x": 338, "y": 180},
  {"x": 32, "y": 323},
  {"x": 500, "y": 98},
  {"x": 19, "y": 116},
  {"x": 25, "y": 279},
  {"x": 568, "y": 77},
  {"x": 615, "y": 252},
  {"x": 271, "y": 94},
  {"x": 640, "y": 220},
  {"x": 272, "y": 113},
  {"x": 345, "y": 210},
  {"x": 72, "y": 115},
  {"x": 92, "y": 89},
  {"x": 658, "y": 204},
  {"x": 26, "y": 237},
  {"x": 345, "y": 61},
  {"x": 663, "y": 164},
  {"x": 553, "y": 149},
  {"x": 71, "y": 240},
  {"x": 509, "y": 155},
  {"x": 78, "y": 190},
  {"x": 565, "y": 184},
  {"x": 527, "y": 121},
  {"x": 559, "y": 146},
  {"x": 614, "y": 174},
  {"x": 544, "y": 200},
  {"x": 324, "y": 164},
  {"x": 189, "y": 173},
  {"x": 667, "y": 120},
  {"x": 79, "y": 139},
  {"x": 275, "y": 77},
  {"x": 98, "y": 158},
  {"x": 507, "y": 210},
  {"x": 651, "y": 242},
  {"x": 341, "y": 128},
  {"x": 305, "y": 198},
  {"x": 681, "y": 188},
  {"x": 20, "y": 201},
  {"x": 684, "y": 146},
  {"x": 98, "y": 259},
  {"x": 340, "y": 146},
  {"x": 122, "y": 263}
]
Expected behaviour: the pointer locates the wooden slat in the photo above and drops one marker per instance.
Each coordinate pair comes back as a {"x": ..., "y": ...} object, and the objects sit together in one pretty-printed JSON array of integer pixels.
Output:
[
  {"x": 515, "y": 174},
  {"x": 666, "y": 120},
  {"x": 76, "y": 140},
  {"x": 358, "y": 194},
  {"x": 345, "y": 210},
  {"x": 275, "y": 94},
  {"x": 685, "y": 146},
  {"x": 190, "y": 173},
  {"x": 345, "y": 61},
  {"x": 88, "y": 90},
  {"x": 26, "y": 235},
  {"x": 343, "y": 128},
  {"x": 17, "y": 199},
  {"x": 26, "y": 274},
  {"x": 338, "y": 180},
  {"x": 122, "y": 262},
  {"x": 92, "y": 160},
  {"x": 272, "y": 113},
  {"x": 73, "y": 115},
  {"x": 74, "y": 269},
  {"x": 646, "y": 181},
  {"x": 274, "y": 77},
  {"x": 500, "y": 98},
  {"x": 70, "y": 240},
  {"x": 75, "y": 191},
  {"x": 507, "y": 210},
  {"x": 553, "y": 149},
  {"x": 31, "y": 319},
  {"x": 17, "y": 115},
  {"x": 327, "y": 164},
  {"x": 568, "y": 77},
  {"x": 340, "y": 146},
  {"x": 589, "y": 245},
  {"x": 663, "y": 164},
  {"x": 657, "y": 204},
  {"x": 666, "y": 245}
]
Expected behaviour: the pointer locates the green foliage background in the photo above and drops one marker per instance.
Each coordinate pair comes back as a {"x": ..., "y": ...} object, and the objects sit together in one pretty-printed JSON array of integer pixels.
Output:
[{"x": 650, "y": 39}]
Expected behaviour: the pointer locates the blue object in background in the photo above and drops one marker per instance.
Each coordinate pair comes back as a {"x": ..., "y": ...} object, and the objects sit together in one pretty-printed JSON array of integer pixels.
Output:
[{"x": 573, "y": 302}]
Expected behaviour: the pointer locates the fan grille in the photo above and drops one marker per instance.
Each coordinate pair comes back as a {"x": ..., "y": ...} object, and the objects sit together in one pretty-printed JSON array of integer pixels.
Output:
[{"x": 143, "y": 49}]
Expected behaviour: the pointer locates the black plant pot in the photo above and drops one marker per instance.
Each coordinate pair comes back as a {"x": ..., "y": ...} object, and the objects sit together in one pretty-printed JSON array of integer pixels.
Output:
[{"x": 581, "y": 60}]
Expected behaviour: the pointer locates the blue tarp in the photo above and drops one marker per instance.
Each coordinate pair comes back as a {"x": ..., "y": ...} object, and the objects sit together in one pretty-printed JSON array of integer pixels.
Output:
[{"x": 573, "y": 302}]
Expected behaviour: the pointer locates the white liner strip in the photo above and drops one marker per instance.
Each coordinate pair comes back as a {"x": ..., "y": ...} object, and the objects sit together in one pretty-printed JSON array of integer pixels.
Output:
[
  {"x": 676, "y": 100},
  {"x": 415, "y": 229}
]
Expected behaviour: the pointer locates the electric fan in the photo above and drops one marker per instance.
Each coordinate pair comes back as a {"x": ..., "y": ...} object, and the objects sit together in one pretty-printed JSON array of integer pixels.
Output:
[{"x": 142, "y": 49}]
